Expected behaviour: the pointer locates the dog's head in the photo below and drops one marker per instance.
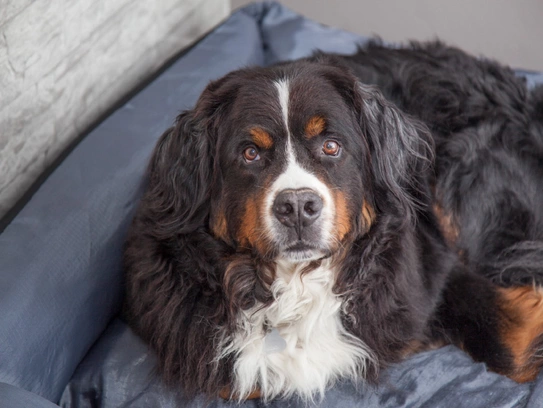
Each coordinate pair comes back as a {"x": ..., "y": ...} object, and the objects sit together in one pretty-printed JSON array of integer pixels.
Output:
[{"x": 288, "y": 163}]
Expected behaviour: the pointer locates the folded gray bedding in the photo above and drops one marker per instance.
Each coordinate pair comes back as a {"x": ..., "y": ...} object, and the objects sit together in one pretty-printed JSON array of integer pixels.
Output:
[{"x": 60, "y": 257}]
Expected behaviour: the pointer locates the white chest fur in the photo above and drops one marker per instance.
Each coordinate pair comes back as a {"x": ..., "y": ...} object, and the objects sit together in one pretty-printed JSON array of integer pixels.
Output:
[{"x": 316, "y": 349}]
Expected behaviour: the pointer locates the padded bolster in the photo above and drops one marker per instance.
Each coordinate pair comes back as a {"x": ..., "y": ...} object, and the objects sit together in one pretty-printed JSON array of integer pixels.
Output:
[{"x": 14, "y": 397}]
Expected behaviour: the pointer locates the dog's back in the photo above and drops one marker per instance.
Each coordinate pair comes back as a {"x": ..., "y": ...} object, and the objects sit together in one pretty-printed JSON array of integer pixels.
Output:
[
  {"x": 488, "y": 133},
  {"x": 488, "y": 191}
]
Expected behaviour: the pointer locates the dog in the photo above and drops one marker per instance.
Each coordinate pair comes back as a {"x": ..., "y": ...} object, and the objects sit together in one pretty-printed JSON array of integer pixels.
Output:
[{"x": 324, "y": 218}]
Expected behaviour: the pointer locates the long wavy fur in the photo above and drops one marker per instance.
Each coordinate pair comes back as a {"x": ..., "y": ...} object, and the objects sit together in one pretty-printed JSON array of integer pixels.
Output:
[{"x": 186, "y": 288}]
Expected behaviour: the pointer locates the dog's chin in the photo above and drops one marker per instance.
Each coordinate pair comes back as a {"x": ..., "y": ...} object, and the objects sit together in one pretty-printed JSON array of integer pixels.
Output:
[{"x": 301, "y": 252}]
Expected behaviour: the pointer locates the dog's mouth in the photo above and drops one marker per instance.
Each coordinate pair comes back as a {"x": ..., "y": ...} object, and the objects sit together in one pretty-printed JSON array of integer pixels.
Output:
[
  {"x": 300, "y": 246},
  {"x": 302, "y": 251}
]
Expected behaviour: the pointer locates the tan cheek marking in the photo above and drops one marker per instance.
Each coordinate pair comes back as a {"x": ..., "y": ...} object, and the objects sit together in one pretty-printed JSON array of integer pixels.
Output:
[
  {"x": 261, "y": 138},
  {"x": 315, "y": 126},
  {"x": 522, "y": 327},
  {"x": 250, "y": 233},
  {"x": 368, "y": 214},
  {"x": 343, "y": 220},
  {"x": 247, "y": 231}
]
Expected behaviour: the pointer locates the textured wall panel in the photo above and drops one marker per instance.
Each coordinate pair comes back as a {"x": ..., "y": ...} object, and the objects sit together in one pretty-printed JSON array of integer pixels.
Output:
[{"x": 64, "y": 63}]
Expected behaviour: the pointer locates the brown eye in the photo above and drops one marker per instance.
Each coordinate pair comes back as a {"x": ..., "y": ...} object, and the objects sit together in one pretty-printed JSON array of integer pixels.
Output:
[
  {"x": 251, "y": 154},
  {"x": 330, "y": 148}
]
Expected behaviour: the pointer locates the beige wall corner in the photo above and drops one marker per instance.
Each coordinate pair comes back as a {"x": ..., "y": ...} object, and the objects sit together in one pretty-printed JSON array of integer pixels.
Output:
[
  {"x": 64, "y": 63},
  {"x": 506, "y": 30}
]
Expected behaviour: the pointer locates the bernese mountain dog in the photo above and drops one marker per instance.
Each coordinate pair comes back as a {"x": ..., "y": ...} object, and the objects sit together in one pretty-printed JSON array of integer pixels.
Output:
[{"x": 323, "y": 218}]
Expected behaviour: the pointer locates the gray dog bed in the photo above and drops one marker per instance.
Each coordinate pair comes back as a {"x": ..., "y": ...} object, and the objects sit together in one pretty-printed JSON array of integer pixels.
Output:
[{"x": 60, "y": 257}]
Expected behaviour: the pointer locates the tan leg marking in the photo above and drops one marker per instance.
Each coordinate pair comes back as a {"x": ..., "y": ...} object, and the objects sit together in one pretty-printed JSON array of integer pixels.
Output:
[
  {"x": 522, "y": 330},
  {"x": 226, "y": 394}
]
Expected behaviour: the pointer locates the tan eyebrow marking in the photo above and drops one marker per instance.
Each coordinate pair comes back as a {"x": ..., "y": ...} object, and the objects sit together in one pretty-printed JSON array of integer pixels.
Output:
[
  {"x": 315, "y": 126},
  {"x": 261, "y": 138}
]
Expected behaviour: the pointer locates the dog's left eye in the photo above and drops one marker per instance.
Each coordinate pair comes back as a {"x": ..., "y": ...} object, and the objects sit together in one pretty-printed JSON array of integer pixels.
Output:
[
  {"x": 331, "y": 148},
  {"x": 251, "y": 154}
]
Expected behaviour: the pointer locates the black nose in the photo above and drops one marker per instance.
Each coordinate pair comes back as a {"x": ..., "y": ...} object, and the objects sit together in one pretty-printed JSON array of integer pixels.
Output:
[{"x": 297, "y": 208}]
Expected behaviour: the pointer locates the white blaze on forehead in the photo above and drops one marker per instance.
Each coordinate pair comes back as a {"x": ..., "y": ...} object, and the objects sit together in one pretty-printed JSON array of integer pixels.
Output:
[
  {"x": 282, "y": 86},
  {"x": 295, "y": 176},
  {"x": 284, "y": 94}
]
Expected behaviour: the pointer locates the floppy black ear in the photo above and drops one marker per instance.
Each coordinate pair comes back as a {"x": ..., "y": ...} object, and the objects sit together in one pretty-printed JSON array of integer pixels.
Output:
[
  {"x": 173, "y": 265},
  {"x": 181, "y": 168},
  {"x": 402, "y": 149},
  {"x": 180, "y": 174}
]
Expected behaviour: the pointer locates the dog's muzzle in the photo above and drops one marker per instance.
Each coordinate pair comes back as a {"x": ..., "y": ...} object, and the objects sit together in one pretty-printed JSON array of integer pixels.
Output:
[
  {"x": 297, "y": 209},
  {"x": 298, "y": 214}
]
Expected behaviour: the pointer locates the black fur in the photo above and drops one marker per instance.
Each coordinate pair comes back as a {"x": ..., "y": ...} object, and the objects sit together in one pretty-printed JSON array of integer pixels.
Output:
[
  {"x": 489, "y": 169},
  {"x": 175, "y": 298},
  {"x": 450, "y": 130}
]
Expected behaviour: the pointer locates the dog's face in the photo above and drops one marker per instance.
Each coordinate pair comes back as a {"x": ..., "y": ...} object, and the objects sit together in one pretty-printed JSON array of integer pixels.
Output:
[
  {"x": 288, "y": 163},
  {"x": 291, "y": 162}
]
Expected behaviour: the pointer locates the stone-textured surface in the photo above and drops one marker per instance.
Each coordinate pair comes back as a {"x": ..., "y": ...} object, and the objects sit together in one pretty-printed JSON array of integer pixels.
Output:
[{"x": 64, "y": 63}]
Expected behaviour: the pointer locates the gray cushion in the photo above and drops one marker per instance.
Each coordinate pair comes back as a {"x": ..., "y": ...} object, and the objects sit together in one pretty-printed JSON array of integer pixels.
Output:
[
  {"x": 119, "y": 372},
  {"x": 13, "y": 397}
]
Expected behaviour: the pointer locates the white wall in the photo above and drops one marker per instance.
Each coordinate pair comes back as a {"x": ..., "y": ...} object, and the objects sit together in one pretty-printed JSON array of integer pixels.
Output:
[{"x": 510, "y": 31}]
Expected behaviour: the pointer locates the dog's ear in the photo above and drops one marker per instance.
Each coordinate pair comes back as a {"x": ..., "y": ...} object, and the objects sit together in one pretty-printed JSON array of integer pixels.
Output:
[
  {"x": 173, "y": 265},
  {"x": 181, "y": 167},
  {"x": 180, "y": 174},
  {"x": 401, "y": 147}
]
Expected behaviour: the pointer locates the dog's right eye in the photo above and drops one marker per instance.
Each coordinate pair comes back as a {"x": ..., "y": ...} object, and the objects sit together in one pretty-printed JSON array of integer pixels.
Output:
[
  {"x": 251, "y": 154},
  {"x": 331, "y": 148}
]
